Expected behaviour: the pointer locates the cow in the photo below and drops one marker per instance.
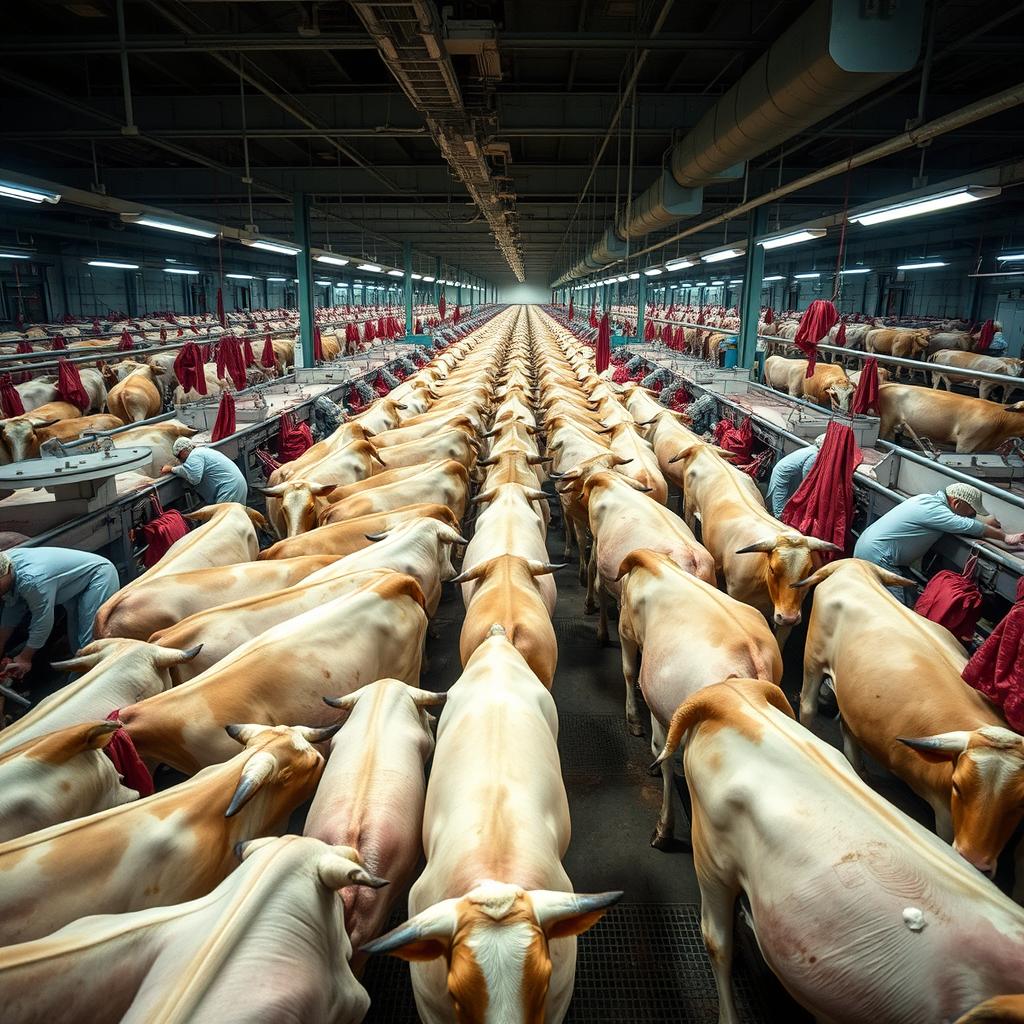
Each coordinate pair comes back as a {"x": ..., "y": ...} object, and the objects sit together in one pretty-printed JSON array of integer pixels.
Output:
[
  {"x": 857, "y": 909},
  {"x": 214, "y": 386},
  {"x": 66, "y": 431},
  {"x": 159, "y": 437},
  {"x": 949, "y": 341},
  {"x": 427, "y": 428},
  {"x": 370, "y": 633},
  {"x": 170, "y": 847},
  {"x": 882, "y": 373},
  {"x": 637, "y": 454},
  {"x": 494, "y": 918},
  {"x": 691, "y": 635},
  {"x": 449, "y": 444},
  {"x": 34, "y": 393},
  {"x": 343, "y": 436},
  {"x": 902, "y": 699},
  {"x": 371, "y": 795},
  {"x": 18, "y": 434},
  {"x": 136, "y": 395},
  {"x": 206, "y": 961},
  {"x": 828, "y": 385},
  {"x": 974, "y": 361},
  {"x": 968, "y": 424},
  {"x": 59, "y": 776},
  {"x": 902, "y": 342}
]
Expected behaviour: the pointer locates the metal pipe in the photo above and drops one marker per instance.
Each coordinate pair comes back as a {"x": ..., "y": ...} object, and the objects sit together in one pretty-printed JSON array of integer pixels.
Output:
[{"x": 126, "y": 82}]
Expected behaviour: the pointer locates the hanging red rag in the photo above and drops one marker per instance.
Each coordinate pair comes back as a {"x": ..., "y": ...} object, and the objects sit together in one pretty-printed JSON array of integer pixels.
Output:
[
  {"x": 823, "y": 504},
  {"x": 817, "y": 321},
  {"x": 231, "y": 361},
  {"x": 738, "y": 440},
  {"x": 161, "y": 532},
  {"x": 69, "y": 384},
  {"x": 457, "y": 315},
  {"x": 189, "y": 369},
  {"x": 318, "y": 345},
  {"x": 126, "y": 344},
  {"x": 267, "y": 357},
  {"x": 952, "y": 599},
  {"x": 666, "y": 335},
  {"x": 985, "y": 336},
  {"x": 769, "y": 315},
  {"x": 10, "y": 400},
  {"x": 417, "y": 327},
  {"x": 58, "y": 342},
  {"x": 570, "y": 306},
  {"x": 125, "y": 758},
  {"x": 841, "y": 334},
  {"x": 224, "y": 425},
  {"x": 593, "y": 318},
  {"x": 865, "y": 398},
  {"x": 220, "y": 307},
  {"x": 441, "y": 306},
  {"x": 649, "y": 330},
  {"x": 294, "y": 438},
  {"x": 996, "y": 668},
  {"x": 604, "y": 345},
  {"x": 247, "y": 353},
  {"x": 23, "y": 347}
]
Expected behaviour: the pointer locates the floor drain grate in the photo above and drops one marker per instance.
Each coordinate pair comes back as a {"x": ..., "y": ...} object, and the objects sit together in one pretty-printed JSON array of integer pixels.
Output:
[{"x": 597, "y": 745}]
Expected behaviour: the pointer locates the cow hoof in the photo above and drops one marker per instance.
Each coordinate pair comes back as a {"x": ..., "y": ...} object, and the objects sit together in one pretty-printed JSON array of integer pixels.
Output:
[
  {"x": 589, "y": 609},
  {"x": 662, "y": 842},
  {"x": 654, "y": 770}
]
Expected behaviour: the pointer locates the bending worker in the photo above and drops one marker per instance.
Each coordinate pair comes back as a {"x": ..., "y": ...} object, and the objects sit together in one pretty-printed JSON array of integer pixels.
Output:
[
  {"x": 209, "y": 471},
  {"x": 33, "y": 581},
  {"x": 904, "y": 534},
  {"x": 788, "y": 474}
]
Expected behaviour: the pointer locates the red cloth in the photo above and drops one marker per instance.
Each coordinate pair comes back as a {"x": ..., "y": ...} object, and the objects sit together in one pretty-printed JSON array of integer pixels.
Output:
[
  {"x": 996, "y": 668},
  {"x": 953, "y": 600},
  {"x": 441, "y": 305},
  {"x": 267, "y": 358},
  {"x": 224, "y": 425},
  {"x": 865, "y": 398},
  {"x": 247, "y": 353},
  {"x": 457, "y": 315},
  {"x": 604, "y": 345},
  {"x": 125, "y": 758},
  {"x": 231, "y": 361},
  {"x": 593, "y": 318},
  {"x": 189, "y": 369},
  {"x": 382, "y": 328},
  {"x": 417, "y": 327},
  {"x": 161, "y": 532},
  {"x": 823, "y": 504},
  {"x": 368, "y": 332},
  {"x": 570, "y": 307},
  {"x": 126, "y": 344},
  {"x": 69, "y": 384},
  {"x": 738, "y": 440},
  {"x": 10, "y": 401},
  {"x": 817, "y": 321},
  {"x": 23, "y": 347},
  {"x": 649, "y": 331},
  {"x": 666, "y": 335},
  {"x": 985, "y": 336},
  {"x": 380, "y": 385},
  {"x": 841, "y": 334},
  {"x": 351, "y": 331},
  {"x": 769, "y": 315},
  {"x": 294, "y": 438},
  {"x": 58, "y": 343},
  {"x": 220, "y": 307}
]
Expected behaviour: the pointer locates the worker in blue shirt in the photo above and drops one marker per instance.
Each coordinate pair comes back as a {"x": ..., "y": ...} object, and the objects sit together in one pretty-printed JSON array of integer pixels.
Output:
[
  {"x": 788, "y": 474},
  {"x": 904, "y": 534},
  {"x": 209, "y": 471},
  {"x": 34, "y": 581}
]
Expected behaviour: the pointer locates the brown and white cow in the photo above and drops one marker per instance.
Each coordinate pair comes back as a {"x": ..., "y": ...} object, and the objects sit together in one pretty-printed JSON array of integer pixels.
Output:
[
  {"x": 136, "y": 396},
  {"x": 902, "y": 342},
  {"x": 494, "y": 918},
  {"x": 160, "y": 437},
  {"x": 18, "y": 434},
  {"x": 975, "y": 361},
  {"x": 449, "y": 444},
  {"x": 859, "y": 910},
  {"x": 828, "y": 385}
]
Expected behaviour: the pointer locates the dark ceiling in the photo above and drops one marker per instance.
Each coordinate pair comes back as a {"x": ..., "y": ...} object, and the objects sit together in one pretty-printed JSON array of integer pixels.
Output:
[{"x": 323, "y": 113}]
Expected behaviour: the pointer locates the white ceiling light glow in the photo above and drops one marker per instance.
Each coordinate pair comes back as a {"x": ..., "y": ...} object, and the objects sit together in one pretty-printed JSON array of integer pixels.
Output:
[
  {"x": 925, "y": 204},
  {"x": 180, "y": 270},
  {"x": 720, "y": 255},
  {"x": 28, "y": 193},
  {"x": 113, "y": 265},
  {"x": 281, "y": 248},
  {"x": 166, "y": 225},
  {"x": 792, "y": 238},
  {"x": 927, "y": 265},
  {"x": 334, "y": 261}
]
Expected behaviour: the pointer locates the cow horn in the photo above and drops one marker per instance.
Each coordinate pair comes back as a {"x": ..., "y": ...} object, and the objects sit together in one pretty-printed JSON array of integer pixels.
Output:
[
  {"x": 575, "y": 912},
  {"x": 543, "y": 568},
  {"x": 427, "y": 698},
  {"x": 345, "y": 703},
  {"x": 684, "y": 453},
  {"x": 245, "y": 733},
  {"x": 817, "y": 544},
  {"x": 258, "y": 771},
  {"x": 760, "y": 547},
  {"x": 314, "y": 735},
  {"x": 339, "y": 867},
  {"x": 430, "y": 932},
  {"x": 376, "y": 536},
  {"x": 942, "y": 746}
]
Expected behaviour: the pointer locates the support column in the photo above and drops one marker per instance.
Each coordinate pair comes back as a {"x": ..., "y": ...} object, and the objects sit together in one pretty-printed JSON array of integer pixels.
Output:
[
  {"x": 641, "y": 306},
  {"x": 304, "y": 352},
  {"x": 750, "y": 303},
  {"x": 437, "y": 280},
  {"x": 458, "y": 287},
  {"x": 407, "y": 281}
]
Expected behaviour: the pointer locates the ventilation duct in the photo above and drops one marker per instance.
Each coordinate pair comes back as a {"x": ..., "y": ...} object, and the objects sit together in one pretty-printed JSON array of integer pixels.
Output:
[{"x": 832, "y": 56}]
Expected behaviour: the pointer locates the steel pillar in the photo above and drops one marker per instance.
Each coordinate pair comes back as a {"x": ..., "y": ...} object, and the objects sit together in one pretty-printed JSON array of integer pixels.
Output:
[
  {"x": 750, "y": 294},
  {"x": 641, "y": 306},
  {"x": 304, "y": 353},
  {"x": 407, "y": 283}
]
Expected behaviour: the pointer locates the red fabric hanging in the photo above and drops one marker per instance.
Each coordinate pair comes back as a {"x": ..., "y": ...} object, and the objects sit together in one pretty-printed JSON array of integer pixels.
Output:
[
  {"x": 671, "y": 310},
  {"x": 666, "y": 335},
  {"x": 841, "y": 334},
  {"x": 10, "y": 401},
  {"x": 318, "y": 345},
  {"x": 380, "y": 385},
  {"x": 369, "y": 334},
  {"x": 985, "y": 336},
  {"x": 441, "y": 305},
  {"x": 417, "y": 327},
  {"x": 161, "y": 532},
  {"x": 382, "y": 328},
  {"x": 58, "y": 342},
  {"x": 267, "y": 357},
  {"x": 351, "y": 331},
  {"x": 69, "y": 385},
  {"x": 604, "y": 345},
  {"x": 649, "y": 330},
  {"x": 231, "y": 361},
  {"x": 247, "y": 353},
  {"x": 224, "y": 425},
  {"x": 823, "y": 504},
  {"x": 996, "y": 668},
  {"x": 23, "y": 347},
  {"x": 818, "y": 319},
  {"x": 769, "y": 315},
  {"x": 125, "y": 758},
  {"x": 220, "y": 307},
  {"x": 679, "y": 339},
  {"x": 570, "y": 306},
  {"x": 953, "y": 600},
  {"x": 865, "y": 398},
  {"x": 189, "y": 369},
  {"x": 126, "y": 344},
  {"x": 294, "y": 438},
  {"x": 457, "y": 315},
  {"x": 738, "y": 440},
  {"x": 593, "y": 318}
]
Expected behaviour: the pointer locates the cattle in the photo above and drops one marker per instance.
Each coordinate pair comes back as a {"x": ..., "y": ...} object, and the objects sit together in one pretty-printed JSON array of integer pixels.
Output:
[
  {"x": 691, "y": 635},
  {"x": 902, "y": 699},
  {"x": 858, "y": 910},
  {"x": 159, "y": 437},
  {"x": 382, "y": 416},
  {"x": 904, "y": 343},
  {"x": 973, "y": 361},
  {"x": 19, "y": 433},
  {"x": 968, "y": 424},
  {"x": 214, "y": 386},
  {"x": 426, "y": 428},
  {"x": 882, "y": 373},
  {"x": 856, "y": 335},
  {"x": 370, "y": 633},
  {"x": 206, "y": 961},
  {"x": 170, "y": 847},
  {"x": 637, "y": 454},
  {"x": 828, "y": 385},
  {"x": 449, "y": 444},
  {"x": 58, "y": 776},
  {"x": 34, "y": 393},
  {"x": 136, "y": 396},
  {"x": 72, "y": 429},
  {"x": 949, "y": 341},
  {"x": 494, "y": 918},
  {"x": 371, "y": 795}
]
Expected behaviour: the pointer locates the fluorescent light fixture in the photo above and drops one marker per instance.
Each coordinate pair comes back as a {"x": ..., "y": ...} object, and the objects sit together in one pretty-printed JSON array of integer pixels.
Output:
[
  {"x": 716, "y": 284},
  {"x": 396, "y": 273},
  {"x": 927, "y": 265},
  {"x": 240, "y": 277},
  {"x": 792, "y": 238},
  {"x": 773, "y": 277},
  {"x": 634, "y": 277},
  {"x": 14, "y": 256},
  {"x": 1011, "y": 257},
  {"x": 335, "y": 261},
  {"x": 428, "y": 278},
  {"x": 653, "y": 271},
  {"x": 701, "y": 284},
  {"x": 738, "y": 280},
  {"x": 170, "y": 259},
  {"x": 683, "y": 284},
  {"x": 321, "y": 283},
  {"x": 855, "y": 270},
  {"x": 809, "y": 276},
  {"x": 113, "y": 265},
  {"x": 370, "y": 266},
  {"x": 276, "y": 280},
  {"x": 28, "y": 193},
  {"x": 278, "y": 247},
  {"x": 720, "y": 255},
  {"x": 416, "y": 277},
  {"x": 679, "y": 265},
  {"x": 180, "y": 270},
  {"x": 621, "y": 278},
  {"x": 167, "y": 225},
  {"x": 925, "y": 204}
]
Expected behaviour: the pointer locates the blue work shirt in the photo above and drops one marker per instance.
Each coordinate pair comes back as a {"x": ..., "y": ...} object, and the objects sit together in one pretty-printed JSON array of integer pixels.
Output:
[
  {"x": 213, "y": 475},
  {"x": 47, "y": 577},
  {"x": 788, "y": 474},
  {"x": 904, "y": 534}
]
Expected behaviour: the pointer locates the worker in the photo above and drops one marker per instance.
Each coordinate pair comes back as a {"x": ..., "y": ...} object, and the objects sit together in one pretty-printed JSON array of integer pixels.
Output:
[
  {"x": 788, "y": 474},
  {"x": 904, "y": 534},
  {"x": 209, "y": 471},
  {"x": 34, "y": 581}
]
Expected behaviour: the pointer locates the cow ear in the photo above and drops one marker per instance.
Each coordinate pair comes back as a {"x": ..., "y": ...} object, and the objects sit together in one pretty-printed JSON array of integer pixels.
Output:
[
  {"x": 426, "y": 936},
  {"x": 564, "y": 914},
  {"x": 943, "y": 746}
]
